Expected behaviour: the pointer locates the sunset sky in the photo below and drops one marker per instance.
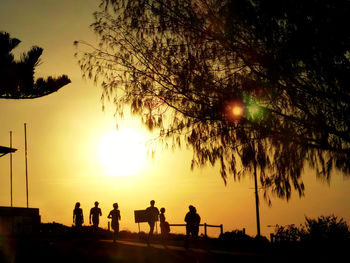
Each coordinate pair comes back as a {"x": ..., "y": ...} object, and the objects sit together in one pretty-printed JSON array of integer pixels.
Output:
[{"x": 71, "y": 141}]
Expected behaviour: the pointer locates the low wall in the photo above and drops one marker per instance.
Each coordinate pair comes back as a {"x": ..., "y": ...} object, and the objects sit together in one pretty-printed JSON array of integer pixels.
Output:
[{"x": 16, "y": 221}]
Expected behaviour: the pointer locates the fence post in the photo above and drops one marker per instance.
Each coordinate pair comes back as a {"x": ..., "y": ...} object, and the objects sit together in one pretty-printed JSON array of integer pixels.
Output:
[
  {"x": 243, "y": 231},
  {"x": 221, "y": 229},
  {"x": 205, "y": 230}
]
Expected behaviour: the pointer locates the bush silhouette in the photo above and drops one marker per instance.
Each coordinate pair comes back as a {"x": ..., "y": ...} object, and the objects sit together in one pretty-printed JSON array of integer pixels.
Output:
[
  {"x": 330, "y": 229},
  {"x": 327, "y": 228}
]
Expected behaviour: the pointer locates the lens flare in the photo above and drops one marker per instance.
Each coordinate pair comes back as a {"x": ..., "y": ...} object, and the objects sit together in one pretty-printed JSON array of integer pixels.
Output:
[{"x": 237, "y": 111}]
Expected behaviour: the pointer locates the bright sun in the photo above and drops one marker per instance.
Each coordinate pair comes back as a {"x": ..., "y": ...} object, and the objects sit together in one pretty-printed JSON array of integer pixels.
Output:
[{"x": 123, "y": 152}]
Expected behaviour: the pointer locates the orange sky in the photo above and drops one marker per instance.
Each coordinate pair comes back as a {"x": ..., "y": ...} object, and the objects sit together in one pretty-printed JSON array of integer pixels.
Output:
[{"x": 65, "y": 131}]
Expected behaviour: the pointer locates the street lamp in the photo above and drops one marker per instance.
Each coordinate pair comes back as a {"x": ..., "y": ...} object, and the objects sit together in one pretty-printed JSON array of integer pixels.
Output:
[
  {"x": 252, "y": 112},
  {"x": 256, "y": 194}
]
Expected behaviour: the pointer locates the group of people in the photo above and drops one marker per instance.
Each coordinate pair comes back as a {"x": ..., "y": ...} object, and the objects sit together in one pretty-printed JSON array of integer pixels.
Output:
[
  {"x": 94, "y": 217},
  {"x": 192, "y": 219}
]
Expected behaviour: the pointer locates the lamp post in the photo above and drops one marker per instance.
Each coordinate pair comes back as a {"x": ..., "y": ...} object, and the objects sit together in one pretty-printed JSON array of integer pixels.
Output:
[
  {"x": 26, "y": 161},
  {"x": 253, "y": 111},
  {"x": 256, "y": 194},
  {"x": 11, "y": 168}
]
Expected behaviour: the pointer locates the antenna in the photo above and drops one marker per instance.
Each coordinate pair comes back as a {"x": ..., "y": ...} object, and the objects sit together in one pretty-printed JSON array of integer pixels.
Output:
[{"x": 25, "y": 140}]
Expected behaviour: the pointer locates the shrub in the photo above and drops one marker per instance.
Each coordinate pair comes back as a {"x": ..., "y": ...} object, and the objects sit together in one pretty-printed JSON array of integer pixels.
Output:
[
  {"x": 327, "y": 228},
  {"x": 322, "y": 229},
  {"x": 289, "y": 233}
]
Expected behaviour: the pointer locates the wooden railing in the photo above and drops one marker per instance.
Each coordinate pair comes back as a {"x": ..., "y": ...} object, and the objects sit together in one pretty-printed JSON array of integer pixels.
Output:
[
  {"x": 205, "y": 227},
  {"x": 278, "y": 238}
]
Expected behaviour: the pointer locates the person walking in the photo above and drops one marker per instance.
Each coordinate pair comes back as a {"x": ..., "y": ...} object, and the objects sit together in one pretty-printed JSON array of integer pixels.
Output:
[
  {"x": 152, "y": 217},
  {"x": 95, "y": 214},
  {"x": 78, "y": 218},
  {"x": 115, "y": 216}
]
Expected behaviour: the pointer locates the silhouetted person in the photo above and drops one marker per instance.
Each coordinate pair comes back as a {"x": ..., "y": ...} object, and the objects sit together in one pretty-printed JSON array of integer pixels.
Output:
[
  {"x": 115, "y": 216},
  {"x": 78, "y": 218},
  {"x": 164, "y": 225},
  {"x": 95, "y": 214},
  {"x": 152, "y": 216},
  {"x": 192, "y": 220}
]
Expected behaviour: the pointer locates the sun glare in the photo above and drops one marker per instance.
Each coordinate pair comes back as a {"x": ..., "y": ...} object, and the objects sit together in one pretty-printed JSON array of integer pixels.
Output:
[{"x": 123, "y": 152}]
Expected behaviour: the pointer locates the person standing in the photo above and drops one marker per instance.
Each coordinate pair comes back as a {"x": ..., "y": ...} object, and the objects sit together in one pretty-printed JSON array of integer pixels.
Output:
[
  {"x": 152, "y": 217},
  {"x": 115, "y": 216},
  {"x": 192, "y": 220},
  {"x": 78, "y": 218},
  {"x": 95, "y": 214},
  {"x": 164, "y": 225}
]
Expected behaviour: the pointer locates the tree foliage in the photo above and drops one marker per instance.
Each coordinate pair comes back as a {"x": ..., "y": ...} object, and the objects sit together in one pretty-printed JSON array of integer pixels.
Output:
[
  {"x": 329, "y": 229},
  {"x": 17, "y": 77},
  {"x": 185, "y": 66}
]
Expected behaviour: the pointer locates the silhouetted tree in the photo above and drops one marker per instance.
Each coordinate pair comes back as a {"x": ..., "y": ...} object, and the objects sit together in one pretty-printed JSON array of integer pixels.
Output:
[
  {"x": 329, "y": 229},
  {"x": 290, "y": 233},
  {"x": 17, "y": 77},
  {"x": 238, "y": 81}
]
